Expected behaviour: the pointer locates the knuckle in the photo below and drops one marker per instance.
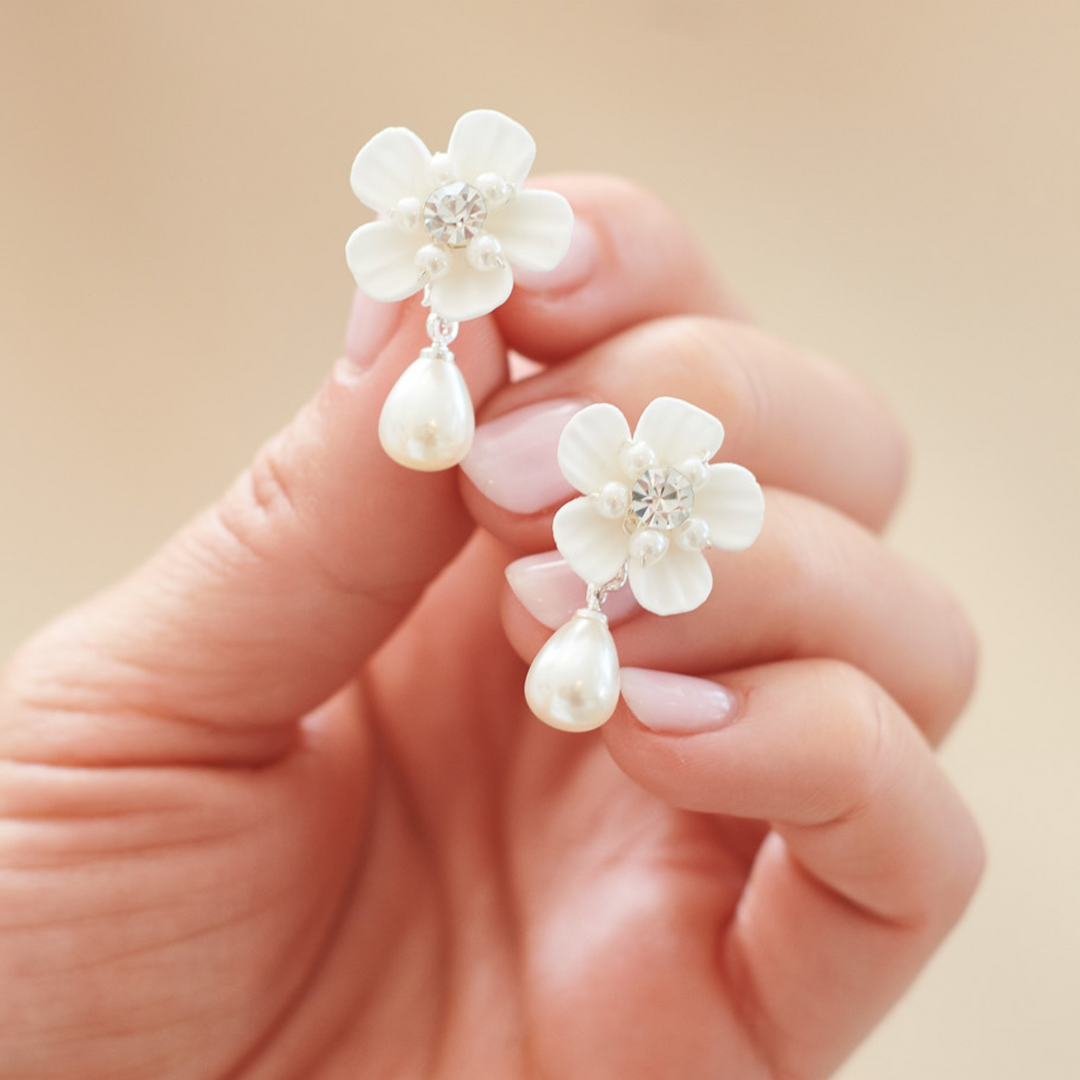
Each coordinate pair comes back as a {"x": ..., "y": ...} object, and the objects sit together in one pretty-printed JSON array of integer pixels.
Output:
[
  {"x": 275, "y": 516},
  {"x": 48, "y": 688},
  {"x": 267, "y": 521},
  {"x": 944, "y": 894},
  {"x": 263, "y": 503},
  {"x": 970, "y": 864},
  {"x": 965, "y": 656},
  {"x": 856, "y": 740},
  {"x": 630, "y": 201},
  {"x": 892, "y": 445},
  {"x": 870, "y": 731},
  {"x": 896, "y": 457},
  {"x": 878, "y": 763},
  {"x": 706, "y": 359},
  {"x": 957, "y": 666},
  {"x": 270, "y": 484}
]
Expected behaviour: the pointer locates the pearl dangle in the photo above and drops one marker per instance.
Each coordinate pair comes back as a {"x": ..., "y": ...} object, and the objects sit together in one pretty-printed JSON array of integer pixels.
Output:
[
  {"x": 454, "y": 224},
  {"x": 573, "y": 681},
  {"x": 427, "y": 421}
]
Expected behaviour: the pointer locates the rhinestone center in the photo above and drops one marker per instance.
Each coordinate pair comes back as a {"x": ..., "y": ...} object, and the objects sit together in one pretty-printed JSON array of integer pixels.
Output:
[
  {"x": 455, "y": 213},
  {"x": 661, "y": 499}
]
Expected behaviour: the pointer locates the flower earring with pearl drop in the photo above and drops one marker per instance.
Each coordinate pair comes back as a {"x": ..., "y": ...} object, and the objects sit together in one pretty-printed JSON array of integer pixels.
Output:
[
  {"x": 651, "y": 504},
  {"x": 454, "y": 225}
]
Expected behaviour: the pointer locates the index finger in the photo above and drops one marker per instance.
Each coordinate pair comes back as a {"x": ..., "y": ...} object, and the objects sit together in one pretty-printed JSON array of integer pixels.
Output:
[
  {"x": 632, "y": 260},
  {"x": 637, "y": 313}
]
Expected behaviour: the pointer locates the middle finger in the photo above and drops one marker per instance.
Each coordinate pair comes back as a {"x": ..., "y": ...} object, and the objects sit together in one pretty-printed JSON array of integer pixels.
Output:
[
  {"x": 795, "y": 420},
  {"x": 814, "y": 585}
]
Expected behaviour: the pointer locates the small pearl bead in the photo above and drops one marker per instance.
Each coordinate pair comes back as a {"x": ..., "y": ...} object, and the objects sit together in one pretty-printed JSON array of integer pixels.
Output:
[
  {"x": 635, "y": 458},
  {"x": 406, "y": 215},
  {"x": 432, "y": 261},
  {"x": 648, "y": 546},
  {"x": 613, "y": 500},
  {"x": 441, "y": 169},
  {"x": 485, "y": 252},
  {"x": 494, "y": 188},
  {"x": 694, "y": 535},
  {"x": 696, "y": 471}
]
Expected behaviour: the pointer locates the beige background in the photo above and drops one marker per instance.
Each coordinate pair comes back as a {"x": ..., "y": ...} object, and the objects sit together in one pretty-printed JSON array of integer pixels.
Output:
[{"x": 895, "y": 183}]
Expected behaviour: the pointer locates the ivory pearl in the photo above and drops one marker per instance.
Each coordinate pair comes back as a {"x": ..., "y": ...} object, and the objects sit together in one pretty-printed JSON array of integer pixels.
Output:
[
  {"x": 432, "y": 261},
  {"x": 613, "y": 500},
  {"x": 484, "y": 252},
  {"x": 406, "y": 214},
  {"x": 573, "y": 683},
  {"x": 694, "y": 535},
  {"x": 440, "y": 170},
  {"x": 494, "y": 189},
  {"x": 648, "y": 546},
  {"x": 696, "y": 471},
  {"x": 427, "y": 421},
  {"x": 635, "y": 457}
]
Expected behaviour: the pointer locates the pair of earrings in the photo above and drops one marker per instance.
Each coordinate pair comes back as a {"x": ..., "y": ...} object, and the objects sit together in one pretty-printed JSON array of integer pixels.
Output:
[{"x": 453, "y": 224}]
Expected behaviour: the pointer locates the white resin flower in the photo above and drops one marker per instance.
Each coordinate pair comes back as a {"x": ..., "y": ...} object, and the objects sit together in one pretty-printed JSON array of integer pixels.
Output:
[
  {"x": 652, "y": 502},
  {"x": 455, "y": 221}
]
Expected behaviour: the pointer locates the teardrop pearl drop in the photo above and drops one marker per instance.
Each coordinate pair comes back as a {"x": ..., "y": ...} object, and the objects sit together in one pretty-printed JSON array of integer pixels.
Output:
[
  {"x": 573, "y": 683},
  {"x": 427, "y": 422}
]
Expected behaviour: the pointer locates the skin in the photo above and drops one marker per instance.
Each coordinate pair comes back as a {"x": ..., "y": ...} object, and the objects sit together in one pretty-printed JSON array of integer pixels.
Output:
[{"x": 273, "y": 807}]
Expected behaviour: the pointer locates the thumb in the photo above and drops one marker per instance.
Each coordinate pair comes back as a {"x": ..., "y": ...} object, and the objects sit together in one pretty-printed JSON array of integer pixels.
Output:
[{"x": 267, "y": 603}]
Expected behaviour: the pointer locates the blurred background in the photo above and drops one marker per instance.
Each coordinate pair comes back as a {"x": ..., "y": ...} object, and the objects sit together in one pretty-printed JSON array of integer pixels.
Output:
[{"x": 897, "y": 185}]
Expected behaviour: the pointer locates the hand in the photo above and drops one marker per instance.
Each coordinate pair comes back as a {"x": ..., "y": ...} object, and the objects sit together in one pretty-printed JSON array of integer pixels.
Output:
[{"x": 274, "y": 807}]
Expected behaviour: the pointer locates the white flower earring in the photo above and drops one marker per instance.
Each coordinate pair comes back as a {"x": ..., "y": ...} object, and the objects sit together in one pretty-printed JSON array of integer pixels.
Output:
[
  {"x": 650, "y": 505},
  {"x": 453, "y": 225}
]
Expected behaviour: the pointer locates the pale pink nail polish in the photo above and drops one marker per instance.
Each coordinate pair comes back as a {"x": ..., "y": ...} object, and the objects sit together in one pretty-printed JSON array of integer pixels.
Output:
[
  {"x": 513, "y": 460},
  {"x": 575, "y": 269},
  {"x": 551, "y": 592},
  {"x": 371, "y": 325},
  {"x": 676, "y": 704}
]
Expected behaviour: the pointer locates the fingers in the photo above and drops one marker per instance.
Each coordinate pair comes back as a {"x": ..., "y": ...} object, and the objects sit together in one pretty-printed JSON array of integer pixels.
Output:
[
  {"x": 872, "y": 858},
  {"x": 813, "y": 585},
  {"x": 632, "y": 260},
  {"x": 266, "y": 604},
  {"x": 794, "y": 420}
]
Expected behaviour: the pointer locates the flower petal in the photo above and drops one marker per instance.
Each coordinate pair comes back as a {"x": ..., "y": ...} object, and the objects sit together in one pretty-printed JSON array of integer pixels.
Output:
[
  {"x": 680, "y": 581},
  {"x": 733, "y": 505},
  {"x": 485, "y": 141},
  {"x": 594, "y": 547},
  {"x": 390, "y": 167},
  {"x": 677, "y": 430},
  {"x": 589, "y": 447},
  {"x": 383, "y": 261},
  {"x": 466, "y": 293},
  {"x": 534, "y": 229}
]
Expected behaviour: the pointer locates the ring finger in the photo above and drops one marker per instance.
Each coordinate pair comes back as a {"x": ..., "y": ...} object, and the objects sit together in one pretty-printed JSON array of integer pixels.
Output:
[{"x": 815, "y": 584}]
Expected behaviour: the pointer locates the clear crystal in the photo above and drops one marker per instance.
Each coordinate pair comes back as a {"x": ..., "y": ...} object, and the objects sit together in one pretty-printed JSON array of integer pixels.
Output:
[
  {"x": 455, "y": 213},
  {"x": 661, "y": 498}
]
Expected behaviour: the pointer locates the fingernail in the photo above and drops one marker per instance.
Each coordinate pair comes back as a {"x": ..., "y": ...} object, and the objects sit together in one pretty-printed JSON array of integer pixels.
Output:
[
  {"x": 576, "y": 267},
  {"x": 513, "y": 460},
  {"x": 676, "y": 704},
  {"x": 551, "y": 592},
  {"x": 371, "y": 325}
]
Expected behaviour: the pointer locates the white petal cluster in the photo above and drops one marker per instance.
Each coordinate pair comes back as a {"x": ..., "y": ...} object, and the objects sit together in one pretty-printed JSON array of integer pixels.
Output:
[
  {"x": 455, "y": 221},
  {"x": 652, "y": 502}
]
